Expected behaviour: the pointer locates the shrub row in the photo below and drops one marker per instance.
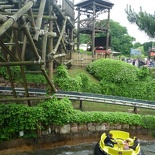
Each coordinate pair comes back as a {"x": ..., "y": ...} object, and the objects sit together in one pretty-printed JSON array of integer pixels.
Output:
[{"x": 15, "y": 118}]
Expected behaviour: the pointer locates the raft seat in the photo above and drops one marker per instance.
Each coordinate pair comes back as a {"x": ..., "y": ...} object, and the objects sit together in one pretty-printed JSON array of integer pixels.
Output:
[
  {"x": 137, "y": 150},
  {"x": 120, "y": 134},
  {"x": 113, "y": 151},
  {"x": 103, "y": 136}
]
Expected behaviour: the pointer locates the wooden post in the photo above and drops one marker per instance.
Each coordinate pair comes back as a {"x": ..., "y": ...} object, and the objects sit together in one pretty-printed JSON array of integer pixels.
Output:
[
  {"x": 4, "y": 27},
  {"x": 62, "y": 40},
  {"x": 107, "y": 38},
  {"x": 78, "y": 29},
  {"x": 11, "y": 41},
  {"x": 24, "y": 99},
  {"x": 80, "y": 104},
  {"x": 39, "y": 19},
  {"x": 25, "y": 84},
  {"x": 17, "y": 49},
  {"x": 30, "y": 14},
  {"x": 24, "y": 48},
  {"x": 6, "y": 49},
  {"x": 28, "y": 35},
  {"x": 93, "y": 30},
  {"x": 21, "y": 63},
  {"x": 135, "y": 110},
  {"x": 60, "y": 37},
  {"x": 44, "y": 45},
  {"x": 50, "y": 45},
  {"x": 10, "y": 76}
]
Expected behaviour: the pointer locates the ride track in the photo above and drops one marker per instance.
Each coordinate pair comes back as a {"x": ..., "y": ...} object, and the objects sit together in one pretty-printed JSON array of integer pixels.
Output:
[{"x": 80, "y": 96}]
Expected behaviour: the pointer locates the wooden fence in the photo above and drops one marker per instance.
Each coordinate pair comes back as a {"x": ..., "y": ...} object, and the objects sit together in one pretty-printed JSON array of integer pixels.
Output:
[{"x": 80, "y": 59}]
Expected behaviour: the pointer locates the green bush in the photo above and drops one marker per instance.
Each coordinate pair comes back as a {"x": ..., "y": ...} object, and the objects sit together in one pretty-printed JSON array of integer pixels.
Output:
[
  {"x": 56, "y": 111},
  {"x": 113, "y": 71},
  {"x": 15, "y": 118},
  {"x": 15, "y": 72},
  {"x": 36, "y": 78},
  {"x": 78, "y": 83},
  {"x": 119, "y": 78}
]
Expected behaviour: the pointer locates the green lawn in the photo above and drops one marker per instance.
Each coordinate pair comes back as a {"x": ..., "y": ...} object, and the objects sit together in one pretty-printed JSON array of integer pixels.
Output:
[
  {"x": 93, "y": 106},
  {"x": 73, "y": 72}
]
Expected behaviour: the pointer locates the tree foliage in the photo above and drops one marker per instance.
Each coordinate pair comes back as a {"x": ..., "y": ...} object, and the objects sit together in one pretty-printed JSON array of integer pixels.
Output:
[
  {"x": 78, "y": 83},
  {"x": 121, "y": 41},
  {"x": 145, "y": 21}
]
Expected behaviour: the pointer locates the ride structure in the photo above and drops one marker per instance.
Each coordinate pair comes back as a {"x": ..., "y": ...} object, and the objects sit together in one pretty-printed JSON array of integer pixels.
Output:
[
  {"x": 37, "y": 33},
  {"x": 41, "y": 33}
]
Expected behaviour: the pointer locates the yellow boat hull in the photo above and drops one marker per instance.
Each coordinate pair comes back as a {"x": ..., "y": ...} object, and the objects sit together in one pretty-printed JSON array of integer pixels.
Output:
[{"x": 120, "y": 137}]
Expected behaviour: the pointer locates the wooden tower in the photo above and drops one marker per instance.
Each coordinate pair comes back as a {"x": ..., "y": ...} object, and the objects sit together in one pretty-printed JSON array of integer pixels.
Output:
[{"x": 88, "y": 12}]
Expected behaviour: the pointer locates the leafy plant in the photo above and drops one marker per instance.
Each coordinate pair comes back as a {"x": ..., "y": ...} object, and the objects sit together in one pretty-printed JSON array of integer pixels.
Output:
[
  {"x": 15, "y": 72},
  {"x": 15, "y": 118},
  {"x": 119, "y": 78},
  {"x": 36, "y": 78}
]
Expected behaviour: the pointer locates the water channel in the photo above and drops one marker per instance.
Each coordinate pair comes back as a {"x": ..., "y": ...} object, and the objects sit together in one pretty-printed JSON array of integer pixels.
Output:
[{"x": 148, "y": 148}]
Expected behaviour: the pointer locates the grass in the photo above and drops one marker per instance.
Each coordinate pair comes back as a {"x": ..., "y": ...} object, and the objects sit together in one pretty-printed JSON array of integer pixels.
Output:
[
  {"x": 93, "y": 106},
  {"x": 73, "y": 72}
]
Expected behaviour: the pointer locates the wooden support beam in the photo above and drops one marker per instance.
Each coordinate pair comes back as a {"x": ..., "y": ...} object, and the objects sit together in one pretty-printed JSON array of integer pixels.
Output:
[
  {"x": 93, "y": 30},
  {"x": 25, "y": 84},
  {"x": 60, "y": 38},
  {"x": 11, "y": 41},
  {"x": 108, "y": 32},
  {"x": 44, "y": 45},
  {"x": 3, "y": 7},
  {"x": 10, "y": 75},
  {"x": 29, "y": 37},
  {"x": 4, "y": 27},
  {"x": 24, "y": 48},
  {"x": 50, "y": 42},
  {"x": 6, "y": 49},
  {"x": 81, "y": 105},
  {"x": 19, "y": 63},
  {"x": 39, "y": 19},
  {"x": 24, "y": 99},
  {"x": 17, "y": 47},
  {"x": 31, "y": 19},
  {"x": 49, "y": 81},
  {"x": 59, "y": 55}
]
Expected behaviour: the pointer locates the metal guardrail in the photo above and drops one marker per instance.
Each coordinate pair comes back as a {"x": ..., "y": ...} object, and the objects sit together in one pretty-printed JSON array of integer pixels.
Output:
[
  {"x": 106, "y": 99},
  {"x": 86, "y": 97},
  {"x": 21, "y": 91}
]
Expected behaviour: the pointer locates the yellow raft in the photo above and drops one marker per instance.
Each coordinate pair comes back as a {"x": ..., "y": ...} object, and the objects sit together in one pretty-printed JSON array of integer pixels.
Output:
[{"x": 120, "y": 137}]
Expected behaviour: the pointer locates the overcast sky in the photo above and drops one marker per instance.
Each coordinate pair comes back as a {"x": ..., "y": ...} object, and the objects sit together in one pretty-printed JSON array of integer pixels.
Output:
[{"x": 118, "y": 14}]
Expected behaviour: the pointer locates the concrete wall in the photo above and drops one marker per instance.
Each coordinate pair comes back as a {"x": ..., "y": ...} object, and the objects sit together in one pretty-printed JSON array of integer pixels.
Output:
[{"x": 69, "y": 134}]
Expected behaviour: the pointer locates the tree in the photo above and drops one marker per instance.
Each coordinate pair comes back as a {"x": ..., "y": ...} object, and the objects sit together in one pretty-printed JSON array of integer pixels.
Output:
[
  {"x": 143, "y": 20},
  {"x": 121, "y": 41},
  {"x": 137, "y": 44},
  {"x": 84, "y": 38}
]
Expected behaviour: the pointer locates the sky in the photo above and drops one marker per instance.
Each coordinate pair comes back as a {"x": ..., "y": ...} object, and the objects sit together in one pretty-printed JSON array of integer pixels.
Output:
[{"x": 118, "y": 14}]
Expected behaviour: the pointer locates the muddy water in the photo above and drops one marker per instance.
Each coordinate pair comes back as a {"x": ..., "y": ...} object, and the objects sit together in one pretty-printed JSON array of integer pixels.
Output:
[{"x": 148, "y": 148}]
